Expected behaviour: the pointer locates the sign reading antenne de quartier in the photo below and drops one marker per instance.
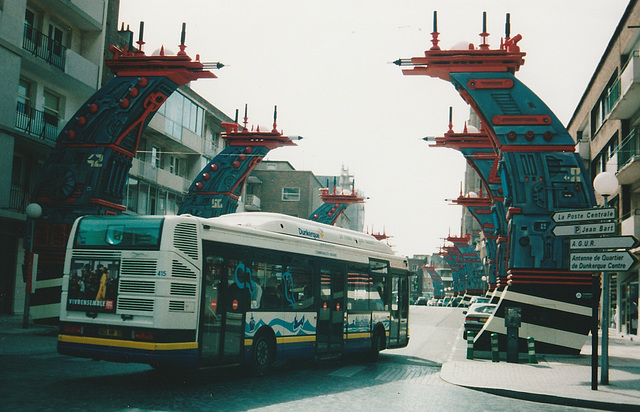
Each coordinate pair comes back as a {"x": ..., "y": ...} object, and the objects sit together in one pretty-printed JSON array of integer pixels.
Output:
[{"x": 601, "y": 261}]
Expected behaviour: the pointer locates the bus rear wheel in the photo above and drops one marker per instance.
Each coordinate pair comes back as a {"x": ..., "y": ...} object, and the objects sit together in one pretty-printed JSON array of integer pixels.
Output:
[
  {"x": 376, "y": 346},
  {"x": 263, "y": 354}
]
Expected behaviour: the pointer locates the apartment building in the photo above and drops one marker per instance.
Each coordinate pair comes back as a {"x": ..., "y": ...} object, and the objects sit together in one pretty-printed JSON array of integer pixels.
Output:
[
  {"x": 275, "y": 186},
  {"x": 52, "y": 60},
  {"x": 606, "y": 128}
]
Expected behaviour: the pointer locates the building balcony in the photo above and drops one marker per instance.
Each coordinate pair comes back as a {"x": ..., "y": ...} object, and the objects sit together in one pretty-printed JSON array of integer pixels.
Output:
[
  {"x": 81, "y": 69},
  {"x": 624, "y": 95},
  {"x": 628, "y": 156},
  {"x": 631, "y": 223},
  {"x": 252, "y": 203},
  {"x": 87, "y": 15},
  {"x": 150, "y": 173},
  {"x": 37, "y": 123},
  {"x": 43, "y": 47},
  {"x": 19, "y": 198}
]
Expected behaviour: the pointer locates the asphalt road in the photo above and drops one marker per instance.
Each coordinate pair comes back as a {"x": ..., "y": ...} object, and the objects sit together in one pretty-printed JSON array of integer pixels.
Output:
[{"x": 34, "y": 377}]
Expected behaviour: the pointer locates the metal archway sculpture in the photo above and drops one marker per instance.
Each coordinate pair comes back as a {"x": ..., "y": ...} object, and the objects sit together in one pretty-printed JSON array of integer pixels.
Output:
[
  {"x": 87, "y": 170},
  {"x": 539, "y": 174}
]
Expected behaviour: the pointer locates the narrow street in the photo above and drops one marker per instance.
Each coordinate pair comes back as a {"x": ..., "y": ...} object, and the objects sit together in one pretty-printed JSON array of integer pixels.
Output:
[{"x": 35, "y": 378}]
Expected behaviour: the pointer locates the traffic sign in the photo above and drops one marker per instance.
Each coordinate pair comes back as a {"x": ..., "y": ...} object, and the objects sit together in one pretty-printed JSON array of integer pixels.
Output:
[
  {"x": 585, "y": 229},
  {"x": 607, "y": 242},
  {"x": 601, "y": 261},
  {"x": 584, "y": 215}
]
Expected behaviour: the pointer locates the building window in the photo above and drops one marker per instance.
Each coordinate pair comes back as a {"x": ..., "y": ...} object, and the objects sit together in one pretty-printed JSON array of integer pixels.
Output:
[
  {"x": 24, "y": 96},
  {"x": 181, "y": 112},
  {"x": 607, "y": 159},
  {"x": 156, "y": 157},
  {"x": 142, "y": 148},
  {"x": 51, "y": 112},
  {"x": 132, "y": 194},
  {"x": 175, "y": 164},
  {"x": 291, "y": 194}
]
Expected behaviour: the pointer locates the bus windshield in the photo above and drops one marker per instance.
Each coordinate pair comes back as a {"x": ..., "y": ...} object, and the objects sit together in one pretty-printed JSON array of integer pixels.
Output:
[{"x": 119, "y": 232}]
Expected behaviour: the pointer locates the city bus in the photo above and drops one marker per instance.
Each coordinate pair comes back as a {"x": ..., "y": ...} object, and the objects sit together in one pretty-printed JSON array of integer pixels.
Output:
[{"x": 243, "y": 288}]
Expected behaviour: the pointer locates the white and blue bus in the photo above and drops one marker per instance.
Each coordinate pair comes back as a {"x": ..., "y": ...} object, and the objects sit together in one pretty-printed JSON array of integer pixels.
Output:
[{"x": 244, "y": 288}]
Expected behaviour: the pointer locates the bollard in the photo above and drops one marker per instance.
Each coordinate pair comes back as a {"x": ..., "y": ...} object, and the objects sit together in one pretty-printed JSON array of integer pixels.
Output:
[
  {"x": 531, "y": 346},
  {"x": 495, "y": 353},
  {"x": 470, "y": 336}
]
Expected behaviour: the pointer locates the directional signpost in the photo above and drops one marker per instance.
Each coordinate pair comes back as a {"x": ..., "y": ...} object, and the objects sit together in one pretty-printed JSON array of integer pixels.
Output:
[
  {"x": 584, "y": 215},
  {"x": 609, "y": 242},
  {"x": 585, "y": 229},
  {"x": 592, "y": 250},
  {"x": 602, "y": 261}
]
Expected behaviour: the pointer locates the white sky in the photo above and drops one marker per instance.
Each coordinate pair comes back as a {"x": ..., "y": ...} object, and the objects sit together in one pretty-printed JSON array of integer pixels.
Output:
[{"x": 325, "y": 64}]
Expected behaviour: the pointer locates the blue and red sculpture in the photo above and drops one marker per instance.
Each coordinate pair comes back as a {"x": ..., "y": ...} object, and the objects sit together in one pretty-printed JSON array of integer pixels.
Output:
[
  {"x": 539, "y": 174},
  {"x": 87, "y": 170},
  {"x": 218, "y": 186},
  {"x": 436, "y": 280},
  {"x": 334, "y": 205}
]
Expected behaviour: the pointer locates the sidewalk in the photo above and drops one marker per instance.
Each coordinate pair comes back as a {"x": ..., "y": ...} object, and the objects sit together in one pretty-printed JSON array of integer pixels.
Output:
[
  {"x": 12, "y": 325},
  {"x": 558, "y": 379}
]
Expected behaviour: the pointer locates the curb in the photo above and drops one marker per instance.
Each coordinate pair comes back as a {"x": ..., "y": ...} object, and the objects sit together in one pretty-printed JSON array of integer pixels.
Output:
[{"x": 554, "y": 400}]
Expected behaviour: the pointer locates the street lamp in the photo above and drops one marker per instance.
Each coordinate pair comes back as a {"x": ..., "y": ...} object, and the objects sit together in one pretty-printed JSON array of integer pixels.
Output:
[
  {"x": 34, "y": 211},
  {"x": 606, "y": 184}
]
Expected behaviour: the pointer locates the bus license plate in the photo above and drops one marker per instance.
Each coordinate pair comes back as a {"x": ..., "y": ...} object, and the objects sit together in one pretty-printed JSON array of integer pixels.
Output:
[{"x": 113, "y": 333}]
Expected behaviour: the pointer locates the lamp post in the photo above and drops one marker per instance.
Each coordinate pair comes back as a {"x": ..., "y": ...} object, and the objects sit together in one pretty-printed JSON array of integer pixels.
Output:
[
  {"x": 34, "y": 211},
  {"x": 606, "y": 184}
]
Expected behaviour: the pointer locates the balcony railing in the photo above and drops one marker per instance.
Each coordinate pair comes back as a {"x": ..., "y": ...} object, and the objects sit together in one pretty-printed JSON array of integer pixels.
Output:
[
  {"x": 612, "y": 98},
  {"x": 36, "y": 122},
  {"x": 629, "y": 149},
  {"x": 18, "y": 198},
  {"x": 622, "y": 97},
  {"x": 43, "y": 46}
]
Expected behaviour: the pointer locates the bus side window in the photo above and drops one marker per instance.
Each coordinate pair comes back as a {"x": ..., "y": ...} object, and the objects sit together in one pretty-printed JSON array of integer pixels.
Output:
[
  {"x": 272, "y": 292},
  {"x": 377, "y": 294},
  {"x": 358, "y": 282},
  {"x": 301, "y": 287},
  {"x": 239, "y": 287}
]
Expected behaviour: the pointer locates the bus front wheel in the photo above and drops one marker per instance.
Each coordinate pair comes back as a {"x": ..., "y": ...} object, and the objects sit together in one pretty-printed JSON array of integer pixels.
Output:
[{"x": 264, "y": 352}]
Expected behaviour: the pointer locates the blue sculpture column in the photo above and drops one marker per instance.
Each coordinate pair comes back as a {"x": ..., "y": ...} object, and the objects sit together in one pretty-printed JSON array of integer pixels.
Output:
[{"x": 539, "y": 174}]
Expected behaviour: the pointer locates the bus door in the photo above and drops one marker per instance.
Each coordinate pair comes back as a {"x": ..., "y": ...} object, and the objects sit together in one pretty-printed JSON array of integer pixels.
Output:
[
  {"x": 330, "y": 327},
  {"x": 222, "y": 322},
  {"x": 398, "y": 327}
]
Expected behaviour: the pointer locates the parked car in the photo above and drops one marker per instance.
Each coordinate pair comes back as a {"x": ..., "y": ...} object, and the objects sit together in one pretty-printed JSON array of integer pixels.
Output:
[
  {"x": 476, "y": 316},
  {"x": 446, "y": 301},
  {"x": 479, "y": 299},
  {"x": 432, "y": 302},
  {"x": 466, "y": 301},
  {"x": 422, "y": 301},
  {"x": 455, "y": 302}
]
